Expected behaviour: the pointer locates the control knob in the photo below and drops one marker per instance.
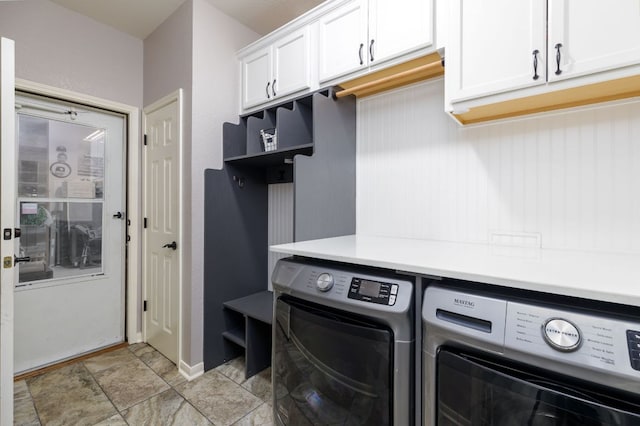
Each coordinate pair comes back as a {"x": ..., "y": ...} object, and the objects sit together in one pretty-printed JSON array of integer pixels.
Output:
[{"x": 324, "y": 282}]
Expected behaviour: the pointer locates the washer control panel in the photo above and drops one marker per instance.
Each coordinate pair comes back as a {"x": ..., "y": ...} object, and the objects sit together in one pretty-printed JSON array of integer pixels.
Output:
[
  {"x": 574, "y": 338},
  {"x": 633, "y": 342},
  {"x": 373, "y": 291}
]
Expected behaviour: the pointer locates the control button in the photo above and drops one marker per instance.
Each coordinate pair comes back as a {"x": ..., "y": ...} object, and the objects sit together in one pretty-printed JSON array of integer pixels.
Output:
[
  {"x": 634, "y": 345},
  {"x": 561, "y": 335},
  {"x": 635, "y": 364},
  {"x": 394, "y": 289},
  {"x": 324, "y": 282},
  {"x": 392, "y": 300},
  {"x": 633, "y": 336}
]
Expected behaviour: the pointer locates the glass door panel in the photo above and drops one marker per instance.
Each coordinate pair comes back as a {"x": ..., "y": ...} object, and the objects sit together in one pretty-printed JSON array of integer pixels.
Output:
[{"x": 60, "y": 198}]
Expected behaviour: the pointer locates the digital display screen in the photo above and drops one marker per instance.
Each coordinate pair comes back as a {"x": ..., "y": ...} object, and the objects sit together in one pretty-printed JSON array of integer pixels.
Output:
[{"x": 369, "y": 288}]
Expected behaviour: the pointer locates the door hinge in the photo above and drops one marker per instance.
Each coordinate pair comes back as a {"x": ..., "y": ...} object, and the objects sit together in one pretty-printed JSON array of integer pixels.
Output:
[
  {"x": 144, "y": 223},
  {"x": 145, "y": 140},
  {"x": 144, "y": 306}
]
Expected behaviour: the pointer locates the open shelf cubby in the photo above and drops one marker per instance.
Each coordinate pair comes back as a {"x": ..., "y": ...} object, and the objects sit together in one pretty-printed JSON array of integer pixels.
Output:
[
  {"x": 293, "y": 123},
  {"x": 237, "y": 306}
]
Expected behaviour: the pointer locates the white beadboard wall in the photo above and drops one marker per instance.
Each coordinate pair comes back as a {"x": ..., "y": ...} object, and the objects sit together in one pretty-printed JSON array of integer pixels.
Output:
[
  {"x": 570, "y": 180},
  {"x": 280, "y": 220}
]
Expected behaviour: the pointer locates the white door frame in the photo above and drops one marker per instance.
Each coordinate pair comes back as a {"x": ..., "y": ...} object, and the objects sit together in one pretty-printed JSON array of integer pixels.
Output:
[
  {"x": 176, "y": 96},
  {"x": 133, "y": 257},
  {"x": 9, "y": 277}
]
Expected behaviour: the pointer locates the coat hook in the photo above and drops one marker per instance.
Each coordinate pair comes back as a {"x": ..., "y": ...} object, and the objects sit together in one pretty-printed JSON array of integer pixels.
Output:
[{"x": 240, "y": 181}]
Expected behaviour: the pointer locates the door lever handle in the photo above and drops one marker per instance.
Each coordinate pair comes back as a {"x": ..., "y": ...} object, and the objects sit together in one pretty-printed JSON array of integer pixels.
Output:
[
  {"x": 17, "y": 259},
  {"x": 172, "y": 245},
  {"x": 118, "y": 215}
]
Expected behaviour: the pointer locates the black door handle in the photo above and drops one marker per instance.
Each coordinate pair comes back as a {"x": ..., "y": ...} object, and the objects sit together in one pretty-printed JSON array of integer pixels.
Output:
[
  {"x": 267, "y": 90},
  {"x": 17, "y": 259},
  {"x": 273, "y": 88},
  {"x": 172, "y": 245},
  {"x": 371, "y": 49},
  {"x": 558, "y": 70},
  {"x": 118, "y": 215},
  {"x": 360, "y": 53},
  {"x": 535, "y": 64}
]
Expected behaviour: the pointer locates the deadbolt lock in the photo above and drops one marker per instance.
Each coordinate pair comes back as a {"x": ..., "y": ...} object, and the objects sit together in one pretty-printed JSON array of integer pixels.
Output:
[{"x": 7, "y": 262}]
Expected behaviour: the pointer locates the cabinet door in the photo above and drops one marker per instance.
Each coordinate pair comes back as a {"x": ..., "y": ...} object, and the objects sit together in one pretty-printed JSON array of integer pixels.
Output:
[
  {"x": 398, "y": 27},
  {"x": 291, "y": 63},
  {"x": 256, "y": 78},
  {"x": 594, "y": 35},
  {"x": 492, "y": 44},
  {"x": 343, "y": 40}
]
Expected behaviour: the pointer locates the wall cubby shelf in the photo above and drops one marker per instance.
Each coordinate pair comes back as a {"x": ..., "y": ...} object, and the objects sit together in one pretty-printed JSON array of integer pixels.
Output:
[{"x": 316, "y": 137}]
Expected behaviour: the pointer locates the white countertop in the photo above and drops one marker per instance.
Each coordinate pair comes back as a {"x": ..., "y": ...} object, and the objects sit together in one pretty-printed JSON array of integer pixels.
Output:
[{"x": 597, "y": 276}]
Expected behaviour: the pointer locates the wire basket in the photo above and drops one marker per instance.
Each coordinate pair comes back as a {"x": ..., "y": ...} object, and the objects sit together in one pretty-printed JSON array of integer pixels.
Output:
[{"x": 269, "y": 139}]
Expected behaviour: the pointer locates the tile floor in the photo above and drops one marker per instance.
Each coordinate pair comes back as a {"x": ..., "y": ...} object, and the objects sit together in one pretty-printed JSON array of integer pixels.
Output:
[{"x": 139, "y": 386}]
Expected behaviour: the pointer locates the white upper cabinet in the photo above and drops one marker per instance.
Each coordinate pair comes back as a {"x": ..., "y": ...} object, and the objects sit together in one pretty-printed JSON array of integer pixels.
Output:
[
  {"x": 280, "y": 69},
  {"x": 398, "y": 27},
  {"x": 500, "y": 49},
  {"x": 496, "y": 45},
  {"x": 256, "y": 78},
  {"x": 364, "y": 33},
  {"x": 342, "y": 40},
  {"x": 589, "y": 36}
]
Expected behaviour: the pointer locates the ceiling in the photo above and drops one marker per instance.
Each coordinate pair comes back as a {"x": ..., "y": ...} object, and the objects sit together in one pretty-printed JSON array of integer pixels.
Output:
[{"x": 140, "y": 17}]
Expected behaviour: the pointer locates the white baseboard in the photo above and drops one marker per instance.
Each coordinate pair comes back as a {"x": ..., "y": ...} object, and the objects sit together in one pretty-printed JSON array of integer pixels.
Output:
[{"x": 189, "y": 372}]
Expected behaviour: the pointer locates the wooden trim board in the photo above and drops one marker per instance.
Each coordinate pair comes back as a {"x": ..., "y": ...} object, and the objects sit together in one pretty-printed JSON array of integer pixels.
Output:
[
  {"x": 409, "y": 72},
  {"x": 611, "y": 90},
  {"x": 61, "y": 364}
]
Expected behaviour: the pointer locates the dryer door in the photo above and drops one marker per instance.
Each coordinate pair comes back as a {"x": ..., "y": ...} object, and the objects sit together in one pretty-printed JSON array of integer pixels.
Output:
[
  {"x": 476, "y": 391},
  {"x": 330, "y": 368}
]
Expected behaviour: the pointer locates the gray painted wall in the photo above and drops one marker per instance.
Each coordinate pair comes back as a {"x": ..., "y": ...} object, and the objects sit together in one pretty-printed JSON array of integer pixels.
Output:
[
  {"x": 61, "y": 48},
  {"x": 195, "y": 50}
]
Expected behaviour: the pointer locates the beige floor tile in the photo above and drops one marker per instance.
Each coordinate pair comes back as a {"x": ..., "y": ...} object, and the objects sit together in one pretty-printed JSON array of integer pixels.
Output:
[
  {"x": 260, "y": 385},
  {"x": 163, "y": 367},
  {"x": 69, "y": 396},
  {"x": 219, "y": 398},
  {"x": 129, "y": 383},
  {"x": 115, "y": 420},
  {"x": 139, "y": 349},
  {"x": 233, "y": 369},
  {"x": 24, "y": 412},
  {"x": 167, "y": 408},
  {"x": 261, "y": 416},
  {"x": 108, "y": 360}
]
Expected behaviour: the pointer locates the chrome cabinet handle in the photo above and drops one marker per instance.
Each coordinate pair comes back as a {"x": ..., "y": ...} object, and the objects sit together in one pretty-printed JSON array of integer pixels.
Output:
[
  {"x": 557, "y": 47},
  {"x": 273, "y": 88},
  {"x": 535, "y": 64},
  {"x": 360, "y": 53},
  {"x": 268, "y": 95},
  {"x": 371, "y": 49}
]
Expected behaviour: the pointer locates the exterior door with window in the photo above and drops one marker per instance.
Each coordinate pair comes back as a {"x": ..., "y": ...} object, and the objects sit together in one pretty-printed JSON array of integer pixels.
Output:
[{"x": 70, "y": 183}]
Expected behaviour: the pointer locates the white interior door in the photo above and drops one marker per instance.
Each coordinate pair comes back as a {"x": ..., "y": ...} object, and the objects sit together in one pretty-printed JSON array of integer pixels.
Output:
[
  {"x": 291, "y": 63},
  {"x": 162, "y": 243},
  {"x": 69, "y": 298},
  {"x": 256, "y": 78},
  {"x": 7, "y": 221}
]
